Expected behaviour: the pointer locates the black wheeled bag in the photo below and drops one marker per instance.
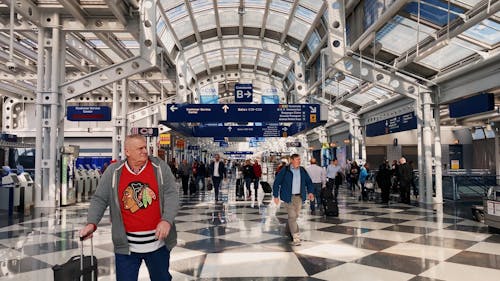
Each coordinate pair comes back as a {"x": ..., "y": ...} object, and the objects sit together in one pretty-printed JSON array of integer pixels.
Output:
[
  {"x": 266, "y": 187},
  {"x": 78, "y": 268},
  {"x": 240, "y": 190},
  {"x": 330, "y": 206}
]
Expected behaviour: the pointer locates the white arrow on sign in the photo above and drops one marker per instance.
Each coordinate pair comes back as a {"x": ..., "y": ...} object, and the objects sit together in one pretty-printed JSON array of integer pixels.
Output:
[
  {"x": 248, "y": 94},
  {"x": 313, "y": 109},
  {"x": 225, "y": 108},
  {"x": 173, "y": 108},
  {"x": 229, "y": 128},
  {"x": 285, "y": 129}
]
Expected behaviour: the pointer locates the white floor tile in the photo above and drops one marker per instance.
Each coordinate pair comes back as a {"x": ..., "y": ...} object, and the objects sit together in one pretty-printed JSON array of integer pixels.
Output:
[
  {"x": 63, "y": 256},
  {"x": 337, "y": 251},
  {"x": 458, "y": 234},
  {"x": 42, "y": 274},
  {"x": 186, "y": 226},
  {"x": 367, "y": 224},
  {"x": 359, "y": 272},
  {"x": 186, "y": 237},
  {"x": 311, "y": 225},
  {"x": 179, "y": 253},
  {"x": 245, "y": 265},
  {"x": 353, "y": 217},
  {"x": 322, "y": 236},
  {"x": 383, "y": 210},
  {"x": 249, "y": 236},
  {"x": 195, "y": 217},
  {"x": 427, "y": 224},
  {"x": 390, "y": 235},
  {"x": 486, "y": 247},
  {"x": 422, "y": 251},
  {"x": 461, "y": 272}
]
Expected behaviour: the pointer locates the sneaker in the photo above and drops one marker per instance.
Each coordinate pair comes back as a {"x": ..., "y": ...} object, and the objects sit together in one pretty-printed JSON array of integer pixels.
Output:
[{"x": 296, "y": 242}]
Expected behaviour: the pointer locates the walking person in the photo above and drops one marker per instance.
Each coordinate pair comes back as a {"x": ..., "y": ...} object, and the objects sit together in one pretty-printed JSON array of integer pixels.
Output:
[
  {"x": 334, "y": 176},
  {"x": 293, "y": 185},
  {"x": 404, "y": 176},
  {"x": 257, "y": 173},
  {"x": 200, "y": 176},
  {"x": 217, "y": 171},
  {"x": 363, "y": 176},
  {"x": 318, "y": 178},
  {"x": 142, "y": 196},
  {"x": 185, "y": 172},
  {"x": 354, "y": 176},
  {"x": 248, "y": 177}
]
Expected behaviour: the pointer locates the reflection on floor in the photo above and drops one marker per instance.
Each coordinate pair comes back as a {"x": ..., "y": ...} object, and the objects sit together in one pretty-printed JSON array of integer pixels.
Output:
[{"x": 246, "y": 241}]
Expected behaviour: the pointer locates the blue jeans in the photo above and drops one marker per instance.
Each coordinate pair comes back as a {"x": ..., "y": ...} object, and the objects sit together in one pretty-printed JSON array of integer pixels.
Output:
[
  {"x": 248, "y": 182},
  {"x": 157, "y": 262}
]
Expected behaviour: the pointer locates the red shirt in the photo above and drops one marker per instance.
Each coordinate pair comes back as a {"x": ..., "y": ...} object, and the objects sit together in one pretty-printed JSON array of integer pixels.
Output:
[{"x": 139, "y": 199}]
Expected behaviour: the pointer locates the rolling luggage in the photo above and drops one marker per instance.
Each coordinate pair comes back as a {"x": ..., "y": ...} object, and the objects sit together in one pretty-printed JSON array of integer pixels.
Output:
[
  {"x": 266, "y": 187},
  {"x": 78, "y": 268},
  {"x": 192, "y": 186},
  {"x": 240, "y": 190},
  {"x": 330, "y": 206}
]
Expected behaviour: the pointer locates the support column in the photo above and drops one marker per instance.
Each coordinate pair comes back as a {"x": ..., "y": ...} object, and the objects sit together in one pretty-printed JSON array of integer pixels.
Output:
[
  {"x": 124, "y": 124},
  {"x": 497, "y": 157},
  {"x": 363, "y": 145},
  {"x": 355, "y": 141},
  {"x": 427, "y": 138},
  {"x": 300, "y": 82},
  {"x": 420, "y": 151},
  {"x": 49, "y": 68},
  {"x": 438, "y": 167}
]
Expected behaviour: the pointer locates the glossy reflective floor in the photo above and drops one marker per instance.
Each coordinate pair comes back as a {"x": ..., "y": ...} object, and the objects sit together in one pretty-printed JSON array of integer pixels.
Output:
[{"x": 246, "y": 241}]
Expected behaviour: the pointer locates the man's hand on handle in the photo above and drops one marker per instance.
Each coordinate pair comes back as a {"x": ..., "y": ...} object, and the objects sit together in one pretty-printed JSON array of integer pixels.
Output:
[
  {"x": 311, "y": 197},
  {"x": 86, "y": 232}
]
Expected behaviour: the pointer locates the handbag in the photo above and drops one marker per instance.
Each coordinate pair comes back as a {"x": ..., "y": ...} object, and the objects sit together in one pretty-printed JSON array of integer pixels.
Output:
[
  {"x": 368, "y": 185},
  {"x": 78, "y": 268}
]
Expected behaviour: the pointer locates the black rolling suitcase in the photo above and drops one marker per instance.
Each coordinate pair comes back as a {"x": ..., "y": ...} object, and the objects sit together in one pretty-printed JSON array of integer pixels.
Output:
[
  {"x": 240, "y": 190},
  {"x": 192, "y": 186},
  {"x": 330, "y": 206},
  {"x": 266, "y": 187},
  {"x": 78, "y": 268}
]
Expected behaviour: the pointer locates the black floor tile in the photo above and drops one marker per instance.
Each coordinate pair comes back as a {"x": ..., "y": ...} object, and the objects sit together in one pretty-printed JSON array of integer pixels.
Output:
[
  {"x": 441, "y": 220},
  {"x": 214, "y": 231},
  {"x": 469, "y": 228},
  {"x": 313, "y": 265},
  {"x": 493, "y": 239},
  {"x": 190, "y": 266},
  {"x": 17, "y": 233},
  {"x": 368, "y": 243},
  {"x": 16, "y": 266},
  {"x": 211, "y": 245},
  {"x": 410, "y": 229},
  {"x": 367, "y": 213},
  {"x": 476, "y": 259},
  {"x": 386, "y": 220},
  {"x": 421, "y": 278},
  {"x": 332, "y": 220},
  {"x": 399, "y": 263},
  {"x": 262, "y": 279},
  {"x": 346, "y": 230},
  {"x": 443, "y": 242}
]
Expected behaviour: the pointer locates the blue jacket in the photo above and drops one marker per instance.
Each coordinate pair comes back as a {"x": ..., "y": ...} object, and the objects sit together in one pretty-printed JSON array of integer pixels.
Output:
[
  {"x": 363, "y": 174},
  {"x": 283, "y": 184}
]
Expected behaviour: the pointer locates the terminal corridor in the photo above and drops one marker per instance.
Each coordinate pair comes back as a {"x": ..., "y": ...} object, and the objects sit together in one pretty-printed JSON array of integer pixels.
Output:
[{"x": 245, "y": 240}]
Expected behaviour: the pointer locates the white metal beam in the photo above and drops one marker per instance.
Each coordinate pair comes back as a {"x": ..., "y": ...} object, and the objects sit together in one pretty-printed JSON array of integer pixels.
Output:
[
  {"x": 315, "y": 23},
  {"x": 264, "y": 19},
  {"x": 291, "y": 16},
  {"x": 119, "y": 10},
  {"x": 75, "y": 10},
  {"x": 104, "y": 77},
  {"x": 27, "y": 9}
]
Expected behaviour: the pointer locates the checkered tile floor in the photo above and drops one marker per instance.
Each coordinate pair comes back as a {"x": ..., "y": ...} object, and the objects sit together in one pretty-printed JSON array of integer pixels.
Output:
[{"x": 246, "y": 241}]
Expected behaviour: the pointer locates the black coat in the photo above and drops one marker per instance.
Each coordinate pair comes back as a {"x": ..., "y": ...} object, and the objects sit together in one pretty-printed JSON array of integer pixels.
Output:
[{"x": 222, "y": 169}]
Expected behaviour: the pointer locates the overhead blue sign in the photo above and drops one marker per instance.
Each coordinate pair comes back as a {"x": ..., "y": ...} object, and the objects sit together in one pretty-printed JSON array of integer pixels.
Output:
[
  {"x": 243, "y": 92},
  {"x": 473, "y": 105},
  {"x": 237, "y": 152},
  {"x": 205, "y": 113},
  {"x": 396, "y": 124},
  {"x": 89, "y": 113},
  {"x": 249, "y": 131},
  {"x": 223, "y": 144}
]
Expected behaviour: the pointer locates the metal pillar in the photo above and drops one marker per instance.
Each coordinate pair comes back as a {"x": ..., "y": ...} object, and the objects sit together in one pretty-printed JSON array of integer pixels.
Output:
[
  {"x": 123, "y": 115},
  {"x": 355, "y": 139},
  {"x": 438, "y": 167},
  {"x": 363, "y": 146},
  {"x": 427, "y": 138},
  {"x": 420, "y": 151},
  {"x": 300, "y": 82},
  {"x": 119, "y": 110},
  {"x": 497, "y": 157},
  {"x": 48, "y": 114}
]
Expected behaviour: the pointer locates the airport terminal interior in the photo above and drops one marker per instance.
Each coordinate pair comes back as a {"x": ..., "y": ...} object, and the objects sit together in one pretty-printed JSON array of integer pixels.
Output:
[{"x": 376, "y": 87}]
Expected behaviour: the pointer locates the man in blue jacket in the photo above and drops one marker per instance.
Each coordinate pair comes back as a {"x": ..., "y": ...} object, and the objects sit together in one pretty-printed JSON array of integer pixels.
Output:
[{"x": 292, "y": 185}]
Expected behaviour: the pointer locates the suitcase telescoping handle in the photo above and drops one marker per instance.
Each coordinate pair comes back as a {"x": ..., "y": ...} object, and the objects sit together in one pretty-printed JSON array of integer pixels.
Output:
[{"x": 91, "y": 256}]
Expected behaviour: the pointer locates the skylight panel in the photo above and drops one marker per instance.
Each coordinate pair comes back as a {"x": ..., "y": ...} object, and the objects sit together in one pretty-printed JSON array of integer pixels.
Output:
[
  {"x": 281, "y": 6},
  {"x": 177, "y": 12},
  {"x": 487, "y": 31},
  {"x": 305, "y": 14}
]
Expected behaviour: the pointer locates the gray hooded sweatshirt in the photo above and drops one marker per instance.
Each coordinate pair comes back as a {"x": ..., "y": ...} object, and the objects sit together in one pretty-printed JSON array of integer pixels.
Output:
[{"x": 107, "y": 195}]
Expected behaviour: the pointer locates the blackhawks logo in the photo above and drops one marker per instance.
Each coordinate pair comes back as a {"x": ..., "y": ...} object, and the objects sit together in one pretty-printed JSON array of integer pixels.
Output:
[{"x": 137, "y": 196}]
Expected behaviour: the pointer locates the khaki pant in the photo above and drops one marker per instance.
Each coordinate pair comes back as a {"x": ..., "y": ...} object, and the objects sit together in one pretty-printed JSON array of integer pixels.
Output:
[{"x": 293, "y": 208}]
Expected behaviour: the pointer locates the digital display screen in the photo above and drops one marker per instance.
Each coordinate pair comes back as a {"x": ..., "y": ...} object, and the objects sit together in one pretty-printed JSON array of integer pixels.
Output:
[
  {"x": 27, "y": 177},
  {"x": 14, "y": 179}
]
